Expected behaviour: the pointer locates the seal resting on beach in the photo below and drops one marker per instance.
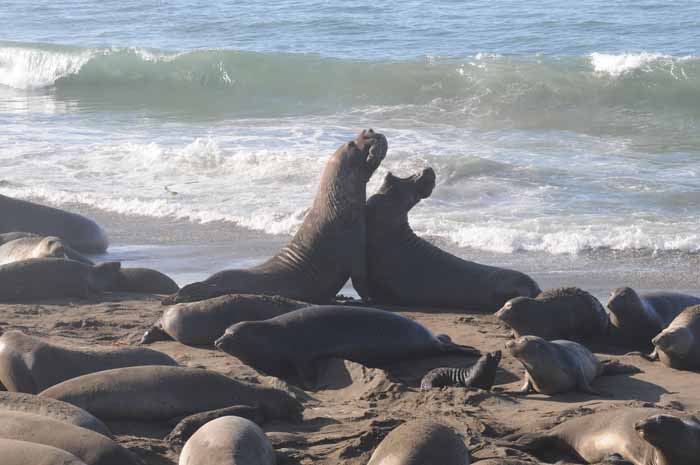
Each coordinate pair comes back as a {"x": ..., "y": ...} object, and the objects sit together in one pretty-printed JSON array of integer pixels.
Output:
[
  {"x": 480, "y": 375},
  {"x": 82, "y": 234},
  {"x": 289, "y": 346},
  {"x": 188, "y": 426},
  {"x": 144, "y": 281},
  {"x": 564, "y": 313},
  {"x": 421, "y": 442},
  {"x": 31, "y": 453},
  {"x": 407, "y": 270},
  {"x": 29, "y": 364},
  {"x": 328, "y": 248},
  {"x": 28, "y": 245},
  {"x": 228, "y": 441},
  {"x": 678, "y": 346}
]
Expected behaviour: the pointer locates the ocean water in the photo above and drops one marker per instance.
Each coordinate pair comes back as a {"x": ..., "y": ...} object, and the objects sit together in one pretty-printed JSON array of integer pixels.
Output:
[{"x": 557, "y": 130}]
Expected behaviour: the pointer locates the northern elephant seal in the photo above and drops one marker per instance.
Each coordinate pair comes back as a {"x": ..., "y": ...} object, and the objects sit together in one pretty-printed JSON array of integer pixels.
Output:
[
  {"x": 30, "y": 453},
  {"x": 31, "y": 247},
  {"x": 564, "y": 313},
  {"x": 421, "y": 442},
  {"x": 29, "y": 364},
  {"x": 290, "y": 345},
  {"x": 678, "y": 346},
  {"x": 328, "y": 248},
  {"x": 82, "y": 234},
  {"x": 228, "y": 441},
  {"x": 189, "y": 425},
  {"x": 28, "y": 239},
  {"x": 201, "y": 323},
  {"x": 405, "y": 269},
  {"x": 144, "y": 281},
  {"x": 480, "y": 375}
]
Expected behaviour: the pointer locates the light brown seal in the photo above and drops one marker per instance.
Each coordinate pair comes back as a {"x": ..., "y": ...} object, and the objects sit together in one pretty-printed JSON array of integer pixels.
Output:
[
  {"x": 678, "y": 346},
  {"x": 69, "y": 252},
  {"x": 31, "y": 247}
]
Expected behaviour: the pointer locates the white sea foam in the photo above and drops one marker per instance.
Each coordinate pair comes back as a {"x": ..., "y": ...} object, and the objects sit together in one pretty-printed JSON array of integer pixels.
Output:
[
  {"x": 28, "y": 68},
  {"x": 620, "y": 64}
]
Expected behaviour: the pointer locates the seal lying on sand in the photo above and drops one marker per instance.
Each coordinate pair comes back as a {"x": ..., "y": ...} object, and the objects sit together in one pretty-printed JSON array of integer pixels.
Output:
[
  {"x": 30, "y": 453},
  {"x": 635, "y": 319},
  {"x": 407, "y": 270},
  {"x": 641, "y": 436},
  {"x": 560, "y": 366},
  {"x": 421, "y": 442},
  {"x": 480, "y": 375},
  {"x": 145, "y": 281},
  {"x": 329, "y": 246},
  {"x": 291, "y": 344},
  {"x": 565, "y": 313},
  {"x": 228, "y": 441},
  {"x": 188, "y": 426},
  {"x": 202, "y": 323},
  {"x": 678, "y": 346},
  {"x": 29, "y": 364},
  {"x": 26, "y": 245},
  {"x": 81, "y": 233}
]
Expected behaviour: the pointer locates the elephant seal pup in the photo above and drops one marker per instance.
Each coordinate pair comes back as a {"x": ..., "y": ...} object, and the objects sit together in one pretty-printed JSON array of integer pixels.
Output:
[
  {"x": 480, "y": 375},
  {"x": 228, "y": 441},
  {"x": 407, "y": 270},
  {"x": 31, "y": 453},
  {"x": 201, "y": 323},
  {"x": 144, "y": 281},
  {"x": 31, "y": 247},
  {"x": 329, "y": 247},
  {"x": 46, "y": 278},
  {"x": 635, "y": 319},
  {"x": 564, "y": 313},
  {"x": 421, "y": 442},
  {"x": 29, "y": 364},
  {"x": 69, "y": 252},
  {"x": 560, "y": 366},
  {"x": 82, "y": 234},
  {"x": 293, "y": 343},
  {"x": 165, "y": 392},
  {"x": 678, "y": 346}
]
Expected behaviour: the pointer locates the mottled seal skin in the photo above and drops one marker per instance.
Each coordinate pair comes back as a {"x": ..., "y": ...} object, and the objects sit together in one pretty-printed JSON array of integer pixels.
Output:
[
  {"x": 329, "y": 247},
  {"x": 31, "y": 453},
  {"x": 201, "y": 323},
  {"x": 635, "y": 319},
  {"x": 421, "y": 442},
  {"x": 480, "y": 375},
  {"x": 678, "y": 346},
  {"x": 228, "y": 441},
  {"x": 290, "y": 345},
  {"x": 564, "y": 313},
  {"x": 30, "y": 364},
  {"x": 68, "y": 251},
  {"x": 144, "y": 281},
  {"x": 407, "y": 270},
  {"x": 82, "y": 234},
  {"x": 168, "y": 392},
  {"x": 31, "y": 247}
]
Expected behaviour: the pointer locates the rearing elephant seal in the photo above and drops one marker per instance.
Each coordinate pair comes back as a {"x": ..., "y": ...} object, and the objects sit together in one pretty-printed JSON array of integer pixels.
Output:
[
  {"x": 407, "y": 270},
  {"x": 31, "y": 247},
  {"x": 678, "y": 346},
  {"x": 329, "y": 246}
]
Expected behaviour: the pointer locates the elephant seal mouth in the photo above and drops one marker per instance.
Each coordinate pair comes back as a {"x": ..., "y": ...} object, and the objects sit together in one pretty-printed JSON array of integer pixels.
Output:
[
  {"x": 425, "y": 183},
  {"x": 375, "y": 147}
]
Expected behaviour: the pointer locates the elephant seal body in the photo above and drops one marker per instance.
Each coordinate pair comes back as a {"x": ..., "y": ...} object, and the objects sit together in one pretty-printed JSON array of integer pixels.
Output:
[
  {"x": 82, "y": 234},
  {"x": 678, "y": 346},
  {"x": 407, "y": 270},
  {"x": 329, "y": 246},
  {"x": 31, "y": 453},
  {"x": 144, "y": 281},
  {"x": 29, "y": 364},
  {"x": 228, "y": 441},
  {"x": 31, "y": 247},
  {"x": 160, "y": 393},
  {"x": 480, "y": 375},
  {"x": 565, "y": 313},
  {"x": 201, "y": 323},
  {"x": 69, "y": 252},
  {"x": 421, "y": 442},
  {"x": 291, "y": 345}
]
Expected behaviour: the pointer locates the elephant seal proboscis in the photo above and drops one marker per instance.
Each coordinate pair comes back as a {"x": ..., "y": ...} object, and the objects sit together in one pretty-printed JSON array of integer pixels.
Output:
[
  {"x": 188, "y": 426},
  {"x": 201, "y": 323},
  {"x": 290, "y": 345},
  {"x": 30, "y": 364},
  {"x": 405, "y": 269},
  {"x": 82, "y": 234},
  {"x": 641, "y": 436},
  {"x": 31, "y": 453},
  {"x": 328, "y": 248},
  {"x": 555, "y": 367},
  {"x": 564, "y": 313},
  {"x": 678, "y": 346},
  {"x": 480, "y": 375},
  {"x": 421, "y": 442},
  {"x": 46, "y": 278},
  {"x": 635, "y": 319},
  {"x": 144, "y": 281},
  {"x": 31, "y": 247},
  {"x": 228, "y": 441},
  {"x": 163, "y": 393}
]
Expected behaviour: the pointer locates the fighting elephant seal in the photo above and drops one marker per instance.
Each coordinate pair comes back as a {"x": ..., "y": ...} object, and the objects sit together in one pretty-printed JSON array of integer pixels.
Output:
[
  {"x": 407, "y": 270},
  {"x": 421, "y": 442},
  {"x": 81, "y": 233},
  {"x": 31, "y": 247},
  {"x": 26, "y": 240},
  {"x": 201, "y": 323},
  {"x": 29, "y": 364},
  {"x": 678, "y": 346},
  {"x": 290, "y": 345},
  {"x": 144, "y": 281},
  {"x": 228, "y": 441},
  {"x": 31, "y": 453},
  {"x": 328, "y": 248},
  {"x": 480, "y": 375}
]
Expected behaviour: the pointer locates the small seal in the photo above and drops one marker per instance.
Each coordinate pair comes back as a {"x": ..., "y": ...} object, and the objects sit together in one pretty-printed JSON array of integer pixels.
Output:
[
  {"x": 678, "y": 346},
  {"x": 31, "y": 247},
  {"x": 144, "y": 281},
  {"x": 480, "y": 375}
]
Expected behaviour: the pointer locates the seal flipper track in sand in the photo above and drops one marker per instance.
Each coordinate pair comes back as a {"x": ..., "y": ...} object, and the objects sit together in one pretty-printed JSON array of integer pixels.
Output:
[{"x": 187, "y": 426}]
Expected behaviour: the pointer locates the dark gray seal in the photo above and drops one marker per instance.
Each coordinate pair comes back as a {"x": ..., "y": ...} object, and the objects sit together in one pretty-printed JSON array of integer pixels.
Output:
[
  {"x": 329, "y": 247},
  {"x": 289, "y": 346},
  {"x": 405, "y": 269},
  {"x": 82, "y": 234},
  {"x": 480, "y": 375},
  {"x": 564, "y": 313},
  {"x": 678, "y": 346},
  {"x": 30, "y": 453},
  {"x": 29, "y": 238},
  {"x": 421, "y": 442},
  {"x": 144, "y": 281},
  {"x": 29, "y": 364}
]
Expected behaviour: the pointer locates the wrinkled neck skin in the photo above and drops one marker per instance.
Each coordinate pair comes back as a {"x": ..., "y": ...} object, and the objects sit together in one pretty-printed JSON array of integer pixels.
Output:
[{"x": 383, "y": 224}]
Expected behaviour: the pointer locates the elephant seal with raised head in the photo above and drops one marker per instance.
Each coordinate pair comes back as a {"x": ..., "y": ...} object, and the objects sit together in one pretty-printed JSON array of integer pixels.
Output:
[
  {"x": 678, "y": 346},
  {"x": 407, "y": 270},
  {"x": 31, "y": 453},
  {"x": 328, "y": 248},
  {"x": 144, "y": 281}
]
